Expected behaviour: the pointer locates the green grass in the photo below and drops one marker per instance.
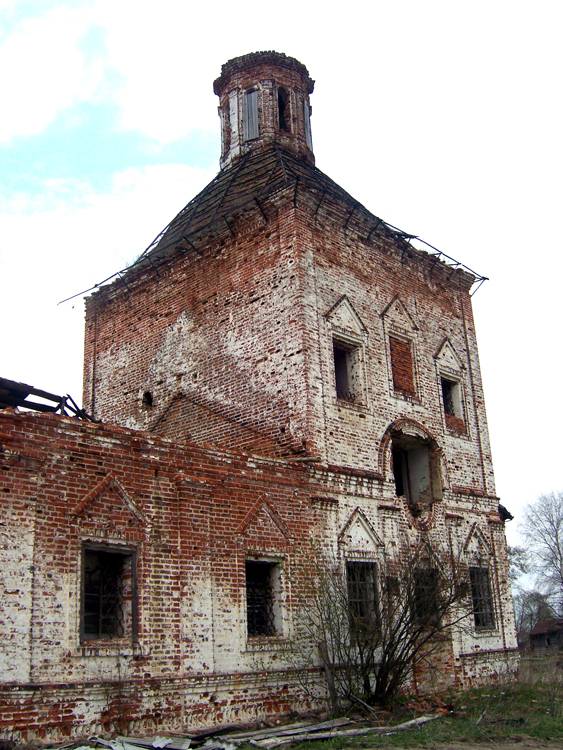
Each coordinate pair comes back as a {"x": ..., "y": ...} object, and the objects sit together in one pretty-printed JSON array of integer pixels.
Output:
[{"x": 531, "y": 708}]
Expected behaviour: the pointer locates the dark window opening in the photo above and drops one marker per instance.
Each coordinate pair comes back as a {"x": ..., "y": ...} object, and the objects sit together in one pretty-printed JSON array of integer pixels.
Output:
[
  {"x": 426, "y": 596},
  {"x": 483, "y": 612},
  {"x": 451, "y": 399},
  {"x": 415, "y": 472},
  {"x": 284, "y": 114},
  {"x": 341, "y": 372},
  {"x": 347, "y": 371},
  {"x": 402, "y": 368},
  {"x": 262, "y": 597},
  {"x": 108, "y": 594},
  {"x": 399, "y": 458},
  {"x": 147, "y": 399},
  {"x": 448, "y": 396},
  {"x": 392, "y": 586},
  {"x": 362, "y": 598}
]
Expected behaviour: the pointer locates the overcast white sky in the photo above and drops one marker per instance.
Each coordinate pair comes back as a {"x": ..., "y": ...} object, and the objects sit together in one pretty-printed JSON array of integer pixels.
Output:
[{"x": 444, "y": 118}]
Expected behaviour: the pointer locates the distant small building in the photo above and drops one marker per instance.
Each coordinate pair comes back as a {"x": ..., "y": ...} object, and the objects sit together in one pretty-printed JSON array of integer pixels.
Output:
[{"x": 547, "y": 634}]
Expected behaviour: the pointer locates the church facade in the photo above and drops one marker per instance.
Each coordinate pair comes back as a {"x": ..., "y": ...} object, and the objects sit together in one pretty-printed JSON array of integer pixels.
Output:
[{"x": 280, "y": 366}]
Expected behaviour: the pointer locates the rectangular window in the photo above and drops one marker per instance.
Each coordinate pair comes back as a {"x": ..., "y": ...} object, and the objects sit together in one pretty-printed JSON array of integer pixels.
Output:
[
  {"x": 250, "y": 115},
  {"x": 483, "y": 612},
  {"x": 347, "y": 371},
  {"x": 402, "y": 365},
  {"x": 413, "y": 470},
  {"x": 108, "y": 593},
  {"x": 263, "y": 598},
  {"x": 451, "y": 399},
  {"x": 362, "y": 598},
  {"x": 425, "y": 596}
]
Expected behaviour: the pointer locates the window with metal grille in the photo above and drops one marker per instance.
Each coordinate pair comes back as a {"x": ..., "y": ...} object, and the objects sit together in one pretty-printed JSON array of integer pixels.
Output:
[
  {"x": 363, "y": 601},
  {"x": 402, "y": 368},
  {"x": 108, "y": 593},
  {"x": 263, "y": 597},
  {"x": 483, "y": 612},
  {"x": 425, "y": 596}
]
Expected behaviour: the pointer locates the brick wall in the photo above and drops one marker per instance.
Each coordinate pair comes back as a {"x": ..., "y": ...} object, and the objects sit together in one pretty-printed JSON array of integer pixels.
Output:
[
  {"x": 193, "y": 515},
  {"x": 235, "y": 345},
  {"x": 221, "y": 329}
]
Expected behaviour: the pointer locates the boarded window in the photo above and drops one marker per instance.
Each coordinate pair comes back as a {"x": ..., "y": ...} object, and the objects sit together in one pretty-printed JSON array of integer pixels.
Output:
[
  {"x": 108, "y": 593},
  {"x": 483, "y": 612},
  {"x": 362, "y": 598},
  {"x": 250, "y": 115},
  {"x": 307, "y": 120},
  {"x": 402, "y": 365},
  {"x": 263, "y": 590}
]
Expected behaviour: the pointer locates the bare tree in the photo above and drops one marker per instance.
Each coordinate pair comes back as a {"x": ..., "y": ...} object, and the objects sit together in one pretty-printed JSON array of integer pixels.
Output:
[
  {"x": 518, "y": 563},
  {"x": 372, "y": 625},
  {"x": 543, "y": 531}
]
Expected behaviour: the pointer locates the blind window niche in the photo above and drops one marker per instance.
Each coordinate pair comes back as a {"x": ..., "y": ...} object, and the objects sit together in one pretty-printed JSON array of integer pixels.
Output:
[{"x": 402, "y": 366}]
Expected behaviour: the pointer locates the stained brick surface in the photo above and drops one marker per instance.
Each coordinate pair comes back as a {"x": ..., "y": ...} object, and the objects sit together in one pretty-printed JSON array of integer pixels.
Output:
[
  {"x": 245, "y": 451},
  {"x": 193, "y": 515}
]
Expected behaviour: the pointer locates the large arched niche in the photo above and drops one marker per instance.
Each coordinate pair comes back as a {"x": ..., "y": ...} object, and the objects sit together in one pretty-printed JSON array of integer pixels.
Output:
[{"x": 410, "y": 457}]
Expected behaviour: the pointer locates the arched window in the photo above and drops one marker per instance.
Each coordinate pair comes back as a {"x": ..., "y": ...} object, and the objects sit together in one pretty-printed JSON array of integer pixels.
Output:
[
  {"x": 284, "y": 113},
  {"x": 416, "y": 470}
]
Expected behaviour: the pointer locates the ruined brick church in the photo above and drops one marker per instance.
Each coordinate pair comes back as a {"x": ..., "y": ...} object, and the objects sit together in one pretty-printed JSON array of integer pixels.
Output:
[{"x": 279, "y": 365}]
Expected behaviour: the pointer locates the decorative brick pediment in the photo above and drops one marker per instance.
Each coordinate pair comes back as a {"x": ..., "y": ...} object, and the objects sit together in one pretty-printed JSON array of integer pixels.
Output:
[
  {"x": 359, "y": 535},
  {"x": 447, "y": 357},
  {"x": 109, "y": 487},
  {"x": 398, "y": 318},
  {"x": 263, "y": 521},
  {"x": 342, "y": 316},
  {"x": 477, "y": 543}
]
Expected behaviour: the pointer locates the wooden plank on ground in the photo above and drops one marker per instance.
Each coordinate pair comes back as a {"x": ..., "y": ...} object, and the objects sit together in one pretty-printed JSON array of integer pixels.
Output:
[
  {"x": 289, "y": 729},
  {"x": 273, "y": 742}
]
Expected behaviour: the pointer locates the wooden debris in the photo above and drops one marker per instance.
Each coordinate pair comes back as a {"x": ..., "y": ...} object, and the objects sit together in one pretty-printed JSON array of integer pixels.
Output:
[
  {"x": 287, "y": 730},
  {"x": 270, "y": 737},
  {"x": 406, "y": 725},
  {"x": 268, "y": 730}
]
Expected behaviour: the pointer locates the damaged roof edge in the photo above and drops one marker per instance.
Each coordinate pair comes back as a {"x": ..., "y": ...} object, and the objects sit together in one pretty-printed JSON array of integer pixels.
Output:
[
  {"x": 254, "y": 177},
  {"x": 15, "y": 395}
]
